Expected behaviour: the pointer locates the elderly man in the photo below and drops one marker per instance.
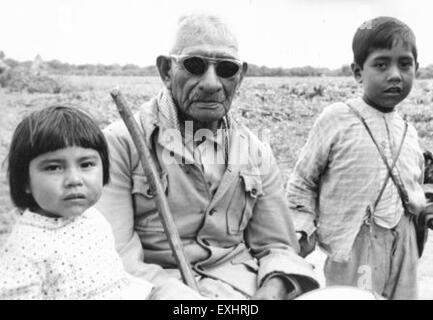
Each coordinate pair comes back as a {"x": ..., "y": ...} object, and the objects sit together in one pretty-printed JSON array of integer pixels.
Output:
[{"x": 222, "y": 183}]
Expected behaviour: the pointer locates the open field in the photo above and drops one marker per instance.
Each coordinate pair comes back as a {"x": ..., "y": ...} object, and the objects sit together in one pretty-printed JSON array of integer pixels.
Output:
[{"x": 285, "y": 106}]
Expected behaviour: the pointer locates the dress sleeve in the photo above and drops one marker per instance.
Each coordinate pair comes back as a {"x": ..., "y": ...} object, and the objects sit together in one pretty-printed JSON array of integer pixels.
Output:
[{"x": 21, "y": 276}]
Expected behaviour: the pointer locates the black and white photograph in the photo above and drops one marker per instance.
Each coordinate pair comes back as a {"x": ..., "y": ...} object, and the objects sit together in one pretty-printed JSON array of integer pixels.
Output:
[{"x": 216, "y": 151}]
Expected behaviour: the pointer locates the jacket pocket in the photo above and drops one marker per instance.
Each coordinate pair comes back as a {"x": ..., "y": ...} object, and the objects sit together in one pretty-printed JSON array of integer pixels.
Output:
[
  {"x": 241, "y": 206},
  {"x": 146, "y": 214}
]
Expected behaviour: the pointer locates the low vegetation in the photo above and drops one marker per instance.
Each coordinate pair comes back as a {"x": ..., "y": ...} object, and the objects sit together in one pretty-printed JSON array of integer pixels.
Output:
[{"x": 287, "y": 107}]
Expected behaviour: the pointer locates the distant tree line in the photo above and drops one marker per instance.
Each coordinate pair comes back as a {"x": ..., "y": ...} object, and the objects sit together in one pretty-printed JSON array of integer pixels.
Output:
[
  {"x": 308, "y": 71},
  {"x": 62, "y": 68}
]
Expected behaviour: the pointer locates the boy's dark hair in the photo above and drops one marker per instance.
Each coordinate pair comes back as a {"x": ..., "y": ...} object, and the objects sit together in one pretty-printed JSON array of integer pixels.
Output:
[
  {"x": 47, "y": 130},
  {"x": 381, "y": 33}
]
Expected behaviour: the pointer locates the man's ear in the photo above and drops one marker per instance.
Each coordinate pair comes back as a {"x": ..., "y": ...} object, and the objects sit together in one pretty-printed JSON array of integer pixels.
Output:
[
  {"x": 163, "y": 63},
  {"x": 243, "y": 71},
  {"x": 357, "y": 72}
]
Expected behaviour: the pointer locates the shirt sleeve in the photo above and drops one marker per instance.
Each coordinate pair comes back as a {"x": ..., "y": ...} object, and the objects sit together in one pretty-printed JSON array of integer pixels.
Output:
[
  {"x": 302, "y": 189},
  {"x": 116, "y": 204},
  {"x": 270, "y": 233},
  {"x": 421, "y": 160}
]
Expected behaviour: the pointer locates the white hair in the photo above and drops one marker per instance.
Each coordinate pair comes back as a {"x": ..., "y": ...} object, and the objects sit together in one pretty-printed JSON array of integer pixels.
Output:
[{"x": 202, "y": 28}]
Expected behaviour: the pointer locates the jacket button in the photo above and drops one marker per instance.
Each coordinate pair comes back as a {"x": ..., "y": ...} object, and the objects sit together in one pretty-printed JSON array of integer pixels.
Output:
[
  {"x": 212, "y": 211},
  {"x": 254, "y": 191}
]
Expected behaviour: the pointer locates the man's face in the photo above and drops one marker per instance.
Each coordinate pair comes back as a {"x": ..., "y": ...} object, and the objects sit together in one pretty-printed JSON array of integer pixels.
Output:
[
  {"x": 206, "y": 97},
  {"x": 387, "y": 75}
]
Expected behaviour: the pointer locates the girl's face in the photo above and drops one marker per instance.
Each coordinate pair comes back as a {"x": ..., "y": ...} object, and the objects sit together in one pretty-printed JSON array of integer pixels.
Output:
[{"x": 66, "y": 182}]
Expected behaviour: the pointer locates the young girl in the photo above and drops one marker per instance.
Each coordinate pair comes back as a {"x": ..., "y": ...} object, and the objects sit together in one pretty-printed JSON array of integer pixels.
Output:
[{"x": 61, "y": 247}]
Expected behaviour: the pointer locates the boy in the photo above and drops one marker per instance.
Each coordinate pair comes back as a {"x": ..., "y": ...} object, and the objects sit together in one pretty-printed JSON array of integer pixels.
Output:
[{"x": 342, "y": 194}]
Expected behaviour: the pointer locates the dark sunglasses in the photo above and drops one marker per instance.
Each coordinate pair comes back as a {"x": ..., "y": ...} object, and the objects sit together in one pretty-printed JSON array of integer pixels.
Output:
[{"x": 197, "y": 65}]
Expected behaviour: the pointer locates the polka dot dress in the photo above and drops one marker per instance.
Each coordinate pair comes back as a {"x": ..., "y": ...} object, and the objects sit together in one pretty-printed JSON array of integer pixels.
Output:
[{"x": 65, "y": 258}]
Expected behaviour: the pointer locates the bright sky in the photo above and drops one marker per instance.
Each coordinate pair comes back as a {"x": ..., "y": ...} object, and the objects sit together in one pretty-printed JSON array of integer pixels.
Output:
[{"x": 274, "y": 33}]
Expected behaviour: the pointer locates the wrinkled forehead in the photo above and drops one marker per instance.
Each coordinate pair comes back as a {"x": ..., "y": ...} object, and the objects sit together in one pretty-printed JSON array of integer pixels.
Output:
[
  {"x": 208, "y": 49},
  {"x": 206, "y": 40}
]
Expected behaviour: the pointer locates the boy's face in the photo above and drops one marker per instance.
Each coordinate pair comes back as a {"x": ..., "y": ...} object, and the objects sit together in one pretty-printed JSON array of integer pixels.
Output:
[
  {"x": 387, "y": 75},
  {"x": 65, "y": 182}
]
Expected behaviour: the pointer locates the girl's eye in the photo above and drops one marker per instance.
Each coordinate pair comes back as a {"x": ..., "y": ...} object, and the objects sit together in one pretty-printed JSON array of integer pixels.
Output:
[
  {"x": 53, "y": 168},
  {"x": 88, "y": 164}
]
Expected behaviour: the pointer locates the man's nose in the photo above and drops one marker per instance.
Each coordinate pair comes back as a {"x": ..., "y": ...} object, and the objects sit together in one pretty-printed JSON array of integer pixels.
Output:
[
  {"x": 73, "y": 178},
  {"x": 210, "y": 82}
]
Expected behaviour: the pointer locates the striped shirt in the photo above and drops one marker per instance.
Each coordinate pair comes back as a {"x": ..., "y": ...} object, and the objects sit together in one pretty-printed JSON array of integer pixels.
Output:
[{"x": 340, "y": 172}]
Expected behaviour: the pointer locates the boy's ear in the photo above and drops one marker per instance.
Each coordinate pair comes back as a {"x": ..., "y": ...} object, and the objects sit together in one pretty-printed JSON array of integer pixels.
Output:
[
  {"x": 163, "y": 63},
  {"x": 357, "y": 72}
]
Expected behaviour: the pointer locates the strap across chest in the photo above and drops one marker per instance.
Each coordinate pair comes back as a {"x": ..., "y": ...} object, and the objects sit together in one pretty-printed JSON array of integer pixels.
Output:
[{"x": 390, "y": 167}]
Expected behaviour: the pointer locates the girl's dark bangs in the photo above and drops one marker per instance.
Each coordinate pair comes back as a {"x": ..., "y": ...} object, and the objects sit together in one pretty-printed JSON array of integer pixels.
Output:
[{"x": 63, "y": 134}]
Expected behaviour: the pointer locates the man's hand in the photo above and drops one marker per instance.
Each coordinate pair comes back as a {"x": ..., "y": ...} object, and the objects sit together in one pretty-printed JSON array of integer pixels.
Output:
[{"x": 276, "y": 288}]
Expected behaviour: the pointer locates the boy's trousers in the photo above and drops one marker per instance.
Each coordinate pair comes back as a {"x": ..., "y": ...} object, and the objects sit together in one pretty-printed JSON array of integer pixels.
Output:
[{"x": 384, "y": 261}]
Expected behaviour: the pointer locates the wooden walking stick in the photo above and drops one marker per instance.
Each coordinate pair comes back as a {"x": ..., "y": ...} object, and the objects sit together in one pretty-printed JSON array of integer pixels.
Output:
[{"x": 160, "y": 199}]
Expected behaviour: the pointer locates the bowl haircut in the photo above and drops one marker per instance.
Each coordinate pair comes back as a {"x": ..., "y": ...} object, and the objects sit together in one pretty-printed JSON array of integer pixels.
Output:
[
  {"x": 48, "y": 130},
  {"x": 381, "y": 33}
]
